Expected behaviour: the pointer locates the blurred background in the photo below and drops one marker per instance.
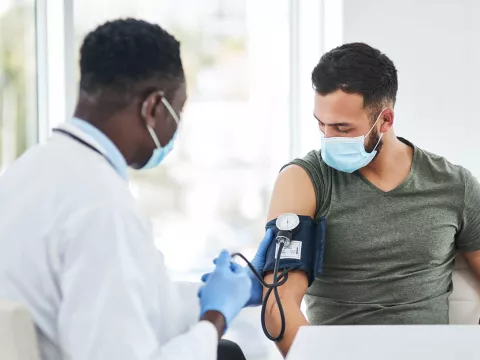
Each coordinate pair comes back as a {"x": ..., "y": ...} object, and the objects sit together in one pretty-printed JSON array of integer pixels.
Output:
[{"x": 249, "y": 111}]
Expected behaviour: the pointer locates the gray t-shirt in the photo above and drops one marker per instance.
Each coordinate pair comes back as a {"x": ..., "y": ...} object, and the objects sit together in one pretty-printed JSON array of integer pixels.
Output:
[{"x": 389, "y": 255}]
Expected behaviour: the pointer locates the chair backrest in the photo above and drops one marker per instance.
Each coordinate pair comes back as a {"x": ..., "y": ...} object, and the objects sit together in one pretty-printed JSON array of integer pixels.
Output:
[
  {"x": 17, "y": 333},
  {"x": 465, "y": 298}
]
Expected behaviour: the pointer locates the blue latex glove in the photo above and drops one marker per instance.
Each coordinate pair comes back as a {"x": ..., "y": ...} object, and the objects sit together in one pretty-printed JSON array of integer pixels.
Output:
[
  {"x": 258, "y": 263},
  {"x": 226, "y": 290}
]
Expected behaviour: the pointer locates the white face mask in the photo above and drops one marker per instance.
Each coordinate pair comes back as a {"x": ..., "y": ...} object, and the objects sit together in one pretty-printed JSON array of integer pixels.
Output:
[
  {"x": 161, "y": 151},
  {"x": 348, "y": 154}
]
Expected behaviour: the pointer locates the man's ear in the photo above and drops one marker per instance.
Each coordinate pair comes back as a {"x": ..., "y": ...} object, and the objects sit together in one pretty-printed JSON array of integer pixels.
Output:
[{"x": 386, "y": 120}]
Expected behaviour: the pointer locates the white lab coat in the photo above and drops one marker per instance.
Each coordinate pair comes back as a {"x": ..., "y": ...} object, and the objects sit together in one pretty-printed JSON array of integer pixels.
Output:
[{"x": 75, "y": 249}]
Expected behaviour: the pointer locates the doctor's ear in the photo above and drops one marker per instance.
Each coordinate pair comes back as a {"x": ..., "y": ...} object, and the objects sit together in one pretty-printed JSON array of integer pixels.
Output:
[{"x": 153, "y": 109}]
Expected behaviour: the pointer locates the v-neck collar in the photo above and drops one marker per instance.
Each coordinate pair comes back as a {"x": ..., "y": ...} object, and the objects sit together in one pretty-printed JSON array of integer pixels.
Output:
[{"x": 405, "y": 182}]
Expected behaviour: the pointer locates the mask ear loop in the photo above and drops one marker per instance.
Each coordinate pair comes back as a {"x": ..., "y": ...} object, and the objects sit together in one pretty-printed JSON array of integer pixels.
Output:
[
  {"x": 170, "y": 109},
  {"x": 154, "y": 137},
  {"x": 381, "y": 134}
]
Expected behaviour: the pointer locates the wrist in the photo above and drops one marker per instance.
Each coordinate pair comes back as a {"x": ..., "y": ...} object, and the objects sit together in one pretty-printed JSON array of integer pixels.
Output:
[
  {"x": 217, "y": 319},
  {"x": 217, "y": 308}
]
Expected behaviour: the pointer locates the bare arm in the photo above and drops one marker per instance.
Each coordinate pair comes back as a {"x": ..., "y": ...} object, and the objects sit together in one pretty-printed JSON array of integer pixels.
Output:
[
  {"x": 293, "y": 192},
  {"x": 468, "y": 239},
  {"x": 473, "y": 259}
]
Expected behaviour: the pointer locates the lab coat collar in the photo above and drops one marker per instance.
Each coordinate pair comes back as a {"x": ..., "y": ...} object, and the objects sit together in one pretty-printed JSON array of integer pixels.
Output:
[{"x": 97, "y": 139}]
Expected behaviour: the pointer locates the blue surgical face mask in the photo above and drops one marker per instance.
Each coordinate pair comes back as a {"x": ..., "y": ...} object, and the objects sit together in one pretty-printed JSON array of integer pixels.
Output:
[
  {"x": 348, "y": 154},
  {"x": 161, "y": 151}
]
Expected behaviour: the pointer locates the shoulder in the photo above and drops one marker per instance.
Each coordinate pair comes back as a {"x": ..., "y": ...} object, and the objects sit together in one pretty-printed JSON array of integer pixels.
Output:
[
  {"x": 314, "y": 166},
  {"x": 84, "y": 177},
  {"x": 439, "y": 169},
  {"x": 312, "y": 161},
  {"x": 297, "y": 188},
  {"x": 79, "y": 181},
  {"x": 436, "y": 172}
]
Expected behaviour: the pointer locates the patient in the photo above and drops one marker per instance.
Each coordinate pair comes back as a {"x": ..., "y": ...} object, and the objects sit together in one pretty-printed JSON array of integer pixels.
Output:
[{"x": 396, "y": 214}]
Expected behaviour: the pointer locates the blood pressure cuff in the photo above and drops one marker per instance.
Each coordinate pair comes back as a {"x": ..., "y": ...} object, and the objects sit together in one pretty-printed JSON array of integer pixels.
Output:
[{"x": 305, "y": 251}]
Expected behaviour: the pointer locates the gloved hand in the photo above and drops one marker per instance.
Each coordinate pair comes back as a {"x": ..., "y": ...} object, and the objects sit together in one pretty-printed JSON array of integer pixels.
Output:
[
  {"x": 226, "y": 290},
  {"x": 258, "y": 263}
]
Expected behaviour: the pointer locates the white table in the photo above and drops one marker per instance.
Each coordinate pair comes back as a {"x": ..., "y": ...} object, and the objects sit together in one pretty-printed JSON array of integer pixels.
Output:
[{"x": 387, "y": 342}]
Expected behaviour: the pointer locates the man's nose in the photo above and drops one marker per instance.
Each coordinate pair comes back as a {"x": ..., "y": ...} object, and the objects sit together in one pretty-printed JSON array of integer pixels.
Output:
[{"x": 326, "y": 131}]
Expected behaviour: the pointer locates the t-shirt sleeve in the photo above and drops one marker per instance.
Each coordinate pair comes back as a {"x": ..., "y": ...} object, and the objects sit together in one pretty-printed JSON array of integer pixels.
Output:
[{"x": 468, "y": 238}]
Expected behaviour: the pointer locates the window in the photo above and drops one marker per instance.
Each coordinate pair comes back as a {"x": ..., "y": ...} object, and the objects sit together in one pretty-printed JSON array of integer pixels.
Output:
[
  {"x": 18, "y": 107},
  {"x": 212, "y": 192},
  {"x": 247, "y": 64}
]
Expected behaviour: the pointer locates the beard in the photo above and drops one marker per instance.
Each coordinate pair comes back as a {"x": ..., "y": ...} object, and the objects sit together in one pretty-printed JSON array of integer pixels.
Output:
[{"x": 372, "y": 141}]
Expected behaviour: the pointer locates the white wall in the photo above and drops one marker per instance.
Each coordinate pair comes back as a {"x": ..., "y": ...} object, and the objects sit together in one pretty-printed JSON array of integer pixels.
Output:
[{"x": 435, "y": 45}]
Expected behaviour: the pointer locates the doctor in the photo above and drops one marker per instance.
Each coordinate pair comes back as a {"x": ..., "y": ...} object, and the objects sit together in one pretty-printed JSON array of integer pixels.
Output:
[{"x": 73, "y": 246}]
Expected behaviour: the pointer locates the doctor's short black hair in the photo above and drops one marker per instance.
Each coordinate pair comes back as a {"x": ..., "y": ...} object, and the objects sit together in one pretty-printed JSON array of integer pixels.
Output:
[
  {"x": 121, "y": 54},
  {"x": 357, "y": 68}
]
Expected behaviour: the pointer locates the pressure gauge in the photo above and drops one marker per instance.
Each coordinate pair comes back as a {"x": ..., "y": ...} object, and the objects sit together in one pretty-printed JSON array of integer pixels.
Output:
[{"x": 287, "y": 222}]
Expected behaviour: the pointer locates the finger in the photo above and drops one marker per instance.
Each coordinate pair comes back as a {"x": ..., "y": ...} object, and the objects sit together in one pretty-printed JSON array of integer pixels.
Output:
[
  {"x": 234, "y": 266},
  {"x": 200, "y": 292},
  {"x": 237, "y": 269},
  {"x": 268, "y": 236},
  {"x": 215, "y": 261},
  {"x": 205, "y": 277},
  {"x": 223, "y": 260},
  {"x": 267, "y": 239}
]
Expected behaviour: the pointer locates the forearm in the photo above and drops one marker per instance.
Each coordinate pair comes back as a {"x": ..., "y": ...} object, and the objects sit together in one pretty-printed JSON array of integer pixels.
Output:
[
  {"x": 291, "y": 295},
  {"x": 294, "y": 318}
]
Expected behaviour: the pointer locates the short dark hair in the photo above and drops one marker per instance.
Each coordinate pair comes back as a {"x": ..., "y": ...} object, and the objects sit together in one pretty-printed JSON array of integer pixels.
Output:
[
  {"x": 357, "y": 68},
  {"x": 122, "y": 53}
]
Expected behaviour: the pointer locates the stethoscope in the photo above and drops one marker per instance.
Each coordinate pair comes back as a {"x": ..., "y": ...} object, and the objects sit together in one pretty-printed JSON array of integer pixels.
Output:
[
  {"x": 286, "y": 224},
  {"x": 82, "y": 142}
]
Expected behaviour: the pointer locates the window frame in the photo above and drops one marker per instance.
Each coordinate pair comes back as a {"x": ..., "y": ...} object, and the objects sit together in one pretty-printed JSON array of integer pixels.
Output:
[{"x": 55, "y": 64}]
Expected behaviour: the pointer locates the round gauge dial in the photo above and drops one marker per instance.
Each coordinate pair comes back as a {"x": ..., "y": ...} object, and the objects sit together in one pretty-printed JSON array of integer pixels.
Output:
[{"x": 287, "y": 222}]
